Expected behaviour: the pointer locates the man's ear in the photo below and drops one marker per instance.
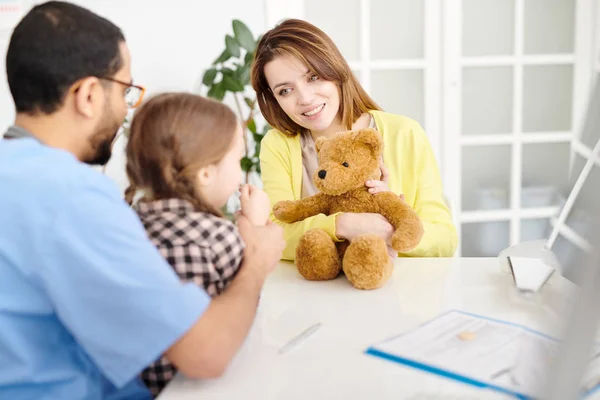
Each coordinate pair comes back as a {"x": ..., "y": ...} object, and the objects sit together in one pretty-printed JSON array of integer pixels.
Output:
[
  {"x": 319, "y": 143},
  {"x": 371, "y": 138},
  {"x": 207, "y": 175},
  {"x": 86, "y": 93}
]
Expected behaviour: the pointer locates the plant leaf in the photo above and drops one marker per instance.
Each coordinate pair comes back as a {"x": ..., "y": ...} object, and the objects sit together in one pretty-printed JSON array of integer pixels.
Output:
[
  {"x": 217, "y": 91},
  {"x": 228, "y": 72},
  {"x": 237, "y": 72},
  {"x": 249, "y": 102},
  {"x": 223, "y": 57},
  {"x": 209, "y": 76},
  {"x": 246, "y": 164},
  {"x": 211, "y": 91},
  {"x": 243, "y": 35},
  {"x": 244, "y": 75},
  {"x": 257, "y": 137},
  {"x": 232, "y": 85},
  {"x": 249, "y": 58},
  {"x": 232, "y": 45},
  {"x": 252, "y": 126},
  {"x": 220, "y": 94},
  {"x": 257, "y": 149}
]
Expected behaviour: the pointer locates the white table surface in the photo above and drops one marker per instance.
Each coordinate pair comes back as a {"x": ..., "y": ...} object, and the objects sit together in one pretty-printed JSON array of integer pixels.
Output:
[{"x": 331, "y": 364}]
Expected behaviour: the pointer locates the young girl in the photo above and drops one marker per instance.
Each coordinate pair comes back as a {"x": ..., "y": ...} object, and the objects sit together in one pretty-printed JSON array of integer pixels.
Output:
[
  {"x": 184, "y": 154},
  {"x": 305, "y": 90}
]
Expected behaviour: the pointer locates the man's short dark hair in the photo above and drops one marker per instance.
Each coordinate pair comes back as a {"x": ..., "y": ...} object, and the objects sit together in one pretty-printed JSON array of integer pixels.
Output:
[{"x": 54, "y": 46}]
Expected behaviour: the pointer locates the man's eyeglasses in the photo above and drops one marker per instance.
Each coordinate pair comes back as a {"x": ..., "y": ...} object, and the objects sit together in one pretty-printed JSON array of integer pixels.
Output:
[{"x": 133, "y": 94}]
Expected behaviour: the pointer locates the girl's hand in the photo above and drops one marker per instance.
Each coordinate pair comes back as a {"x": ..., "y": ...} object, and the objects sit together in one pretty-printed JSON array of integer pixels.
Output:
[{"x": 255, "y": 205}]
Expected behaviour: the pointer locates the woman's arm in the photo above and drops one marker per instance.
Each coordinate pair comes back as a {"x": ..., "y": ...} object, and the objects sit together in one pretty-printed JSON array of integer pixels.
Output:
[{"x": 440, "y": 238}]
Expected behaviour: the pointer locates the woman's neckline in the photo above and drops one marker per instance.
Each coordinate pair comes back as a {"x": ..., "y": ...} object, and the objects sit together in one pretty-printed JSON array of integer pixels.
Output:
[{"x": 364, "y": 121}]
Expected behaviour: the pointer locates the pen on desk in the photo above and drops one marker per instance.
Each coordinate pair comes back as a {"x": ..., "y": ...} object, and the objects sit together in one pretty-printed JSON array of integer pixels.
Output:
[{"x": 301, "y": 337}]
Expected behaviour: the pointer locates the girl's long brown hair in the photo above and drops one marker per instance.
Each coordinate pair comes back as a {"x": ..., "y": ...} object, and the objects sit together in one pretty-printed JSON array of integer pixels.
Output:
[
  {"x": 317, "y": 51},
  {"x": 171, "y": 137}
]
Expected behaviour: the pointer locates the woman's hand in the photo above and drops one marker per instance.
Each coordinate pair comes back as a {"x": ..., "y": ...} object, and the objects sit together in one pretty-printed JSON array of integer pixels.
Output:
[
  {"x": 377, "y": 186},
  {"x": 380, "y": 186},
  {"x": 351, "y": 225},
  {"x": 391, "y": 252}
]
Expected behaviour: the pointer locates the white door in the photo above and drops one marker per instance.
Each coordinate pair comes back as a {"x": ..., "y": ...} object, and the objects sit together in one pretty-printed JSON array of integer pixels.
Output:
[{"x": 516, "y": 77}]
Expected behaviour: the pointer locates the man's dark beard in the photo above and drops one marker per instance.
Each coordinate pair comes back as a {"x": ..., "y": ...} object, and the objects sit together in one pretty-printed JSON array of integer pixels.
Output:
[
  {"x": 103, "y": 153},
  {"x": 102, "y": 146}
]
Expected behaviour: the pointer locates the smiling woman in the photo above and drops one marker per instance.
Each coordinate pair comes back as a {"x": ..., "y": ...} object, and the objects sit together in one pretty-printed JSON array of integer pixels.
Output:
[
  {"x": 306, "y": 90},
  {"x": 308, "y": 101}
]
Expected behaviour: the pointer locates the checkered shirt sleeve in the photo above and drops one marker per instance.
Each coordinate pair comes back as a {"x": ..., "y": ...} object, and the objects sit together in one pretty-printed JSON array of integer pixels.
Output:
[{"x": 200, "y": 247}]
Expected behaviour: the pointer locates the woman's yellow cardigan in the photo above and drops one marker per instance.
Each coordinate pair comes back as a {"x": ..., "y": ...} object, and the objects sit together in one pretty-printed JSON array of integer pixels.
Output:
[{"x": 413, "y": 171}]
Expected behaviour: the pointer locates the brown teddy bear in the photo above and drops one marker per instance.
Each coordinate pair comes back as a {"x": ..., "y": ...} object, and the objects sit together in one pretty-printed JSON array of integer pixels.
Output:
[{"x": 346, "y": 161}]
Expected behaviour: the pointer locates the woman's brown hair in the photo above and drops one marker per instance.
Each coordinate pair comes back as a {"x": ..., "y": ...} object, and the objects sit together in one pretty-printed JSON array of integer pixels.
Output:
[
  {"x": 310, "y": 45},
  {"x": 171, "y": 137}
]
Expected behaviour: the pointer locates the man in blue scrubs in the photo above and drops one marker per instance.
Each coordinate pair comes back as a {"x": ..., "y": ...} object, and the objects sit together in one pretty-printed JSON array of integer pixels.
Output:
[{"x": 86, "y": 301}]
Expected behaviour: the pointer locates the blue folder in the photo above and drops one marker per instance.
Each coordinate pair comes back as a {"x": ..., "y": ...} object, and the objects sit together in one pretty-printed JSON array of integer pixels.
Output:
[{"x": 397, "y": 358}]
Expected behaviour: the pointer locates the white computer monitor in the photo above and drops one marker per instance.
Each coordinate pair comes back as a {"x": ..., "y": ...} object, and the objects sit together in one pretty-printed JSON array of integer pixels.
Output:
[
  {"x": 575, "y": 241},
  {"x": 571, "y": 228},
  {"x": 571, "y": 225}
]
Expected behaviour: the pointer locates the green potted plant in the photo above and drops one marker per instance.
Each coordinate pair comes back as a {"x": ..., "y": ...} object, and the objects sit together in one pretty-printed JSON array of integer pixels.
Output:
[{"x": 230, "y": 73}]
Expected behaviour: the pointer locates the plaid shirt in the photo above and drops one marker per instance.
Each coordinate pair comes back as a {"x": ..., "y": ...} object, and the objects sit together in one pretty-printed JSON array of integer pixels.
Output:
[{"x": 201, "y": 248}]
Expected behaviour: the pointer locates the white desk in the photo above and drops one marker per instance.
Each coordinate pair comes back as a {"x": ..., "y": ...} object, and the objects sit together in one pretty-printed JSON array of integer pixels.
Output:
[{"x": 332, "y": 365}]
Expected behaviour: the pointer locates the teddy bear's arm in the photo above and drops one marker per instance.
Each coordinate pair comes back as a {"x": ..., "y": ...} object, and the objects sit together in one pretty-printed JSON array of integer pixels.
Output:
[
  {"x": 290, "y": 211},
  {"x": 407, "y": 225}
]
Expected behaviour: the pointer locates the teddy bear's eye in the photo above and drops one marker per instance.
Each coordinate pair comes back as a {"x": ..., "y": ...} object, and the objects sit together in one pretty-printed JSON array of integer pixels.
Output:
[{"x": 345, "y": 164}]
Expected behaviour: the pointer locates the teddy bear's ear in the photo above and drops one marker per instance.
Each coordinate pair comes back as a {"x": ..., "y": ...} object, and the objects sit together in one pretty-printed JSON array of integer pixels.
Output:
[
  {"x": 371, "y": 138},
  {"x": 319, "y": 143}
]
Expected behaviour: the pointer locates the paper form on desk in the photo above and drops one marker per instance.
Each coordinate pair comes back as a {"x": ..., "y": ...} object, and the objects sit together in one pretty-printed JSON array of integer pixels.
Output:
[{"x": 480, "y": 351}]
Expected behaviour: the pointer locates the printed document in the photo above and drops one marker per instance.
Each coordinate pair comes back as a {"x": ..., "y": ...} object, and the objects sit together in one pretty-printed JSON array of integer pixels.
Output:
[{"x": 481, "y": 351}]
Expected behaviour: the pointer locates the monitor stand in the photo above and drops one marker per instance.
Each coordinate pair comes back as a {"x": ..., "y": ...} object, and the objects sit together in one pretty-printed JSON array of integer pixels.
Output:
[{"x": 533, "y": 249}]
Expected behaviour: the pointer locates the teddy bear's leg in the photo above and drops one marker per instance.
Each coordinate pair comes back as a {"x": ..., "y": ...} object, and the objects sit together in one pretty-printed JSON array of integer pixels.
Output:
[
  {"x": 317, "y": 257},
  {"x": 408, "y": 236},
  {"x": 367, "y": 264}
]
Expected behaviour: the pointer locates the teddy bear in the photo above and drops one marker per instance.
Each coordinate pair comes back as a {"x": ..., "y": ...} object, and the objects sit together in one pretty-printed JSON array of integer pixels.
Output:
[{"x": 346, "y": 161}]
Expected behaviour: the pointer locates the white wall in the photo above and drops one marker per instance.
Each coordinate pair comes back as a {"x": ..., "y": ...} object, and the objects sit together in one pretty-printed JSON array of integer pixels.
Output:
[{"x": 171, "y": 43}]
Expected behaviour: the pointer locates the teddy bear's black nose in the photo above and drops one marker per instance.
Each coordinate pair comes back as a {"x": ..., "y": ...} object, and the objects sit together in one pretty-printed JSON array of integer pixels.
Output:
[{"x": 322, "y": 174}]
